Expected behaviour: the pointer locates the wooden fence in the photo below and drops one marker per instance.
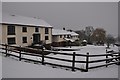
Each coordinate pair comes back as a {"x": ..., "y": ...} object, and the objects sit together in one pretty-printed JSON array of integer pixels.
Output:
[{"x": 22, "y": 51}]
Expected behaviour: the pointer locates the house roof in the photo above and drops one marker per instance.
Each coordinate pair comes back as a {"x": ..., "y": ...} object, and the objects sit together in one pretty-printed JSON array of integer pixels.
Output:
[
  {"x": 67, "y": 39},
  {"x": 73, "y": 34},
  {"x": 59, "y": 32},
  {"x": 62, "y": 32},
  {"x": 22, "y": 20}
]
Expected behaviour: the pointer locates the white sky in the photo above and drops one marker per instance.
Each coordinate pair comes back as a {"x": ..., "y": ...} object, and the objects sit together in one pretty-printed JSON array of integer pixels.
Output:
[
  {"x": 74, "y": 16},
  {"x": 60, "y": 0}
]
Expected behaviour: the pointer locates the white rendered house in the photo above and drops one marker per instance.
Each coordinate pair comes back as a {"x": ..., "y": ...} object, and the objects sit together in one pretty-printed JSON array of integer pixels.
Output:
[{"x": 23, "y": 31}]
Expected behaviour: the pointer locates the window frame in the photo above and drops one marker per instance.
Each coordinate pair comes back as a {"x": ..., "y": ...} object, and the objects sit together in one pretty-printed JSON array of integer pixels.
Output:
[
  {"x": 36, "y": 29},
  {"x": 64, "y": 36},
  {"x": 10, "y": 30},
  {"x": 24, "y": 29},
  {"x": 47, "y": 37},
  {"x": 46, "y": 30},
  {"x": 60, "y": 36},
  {"x": 11, "y": 42},
  {"x": 23, "y": 39},
  {"x": 68, "y": 36}
]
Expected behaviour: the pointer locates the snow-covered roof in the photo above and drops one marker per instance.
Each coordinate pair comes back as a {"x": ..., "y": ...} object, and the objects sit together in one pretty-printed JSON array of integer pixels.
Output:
[
  {"x": 84, "y": 40},
  {"x": 62, "y": 32},
  {"x": 67, "y": 39},
  {"x": 73, "y": 34},
  {"x": 22, "y": 20}
]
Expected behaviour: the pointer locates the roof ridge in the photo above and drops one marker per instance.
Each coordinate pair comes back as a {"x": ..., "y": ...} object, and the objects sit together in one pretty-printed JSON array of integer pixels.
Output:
[{"x": 23, "y": 20}]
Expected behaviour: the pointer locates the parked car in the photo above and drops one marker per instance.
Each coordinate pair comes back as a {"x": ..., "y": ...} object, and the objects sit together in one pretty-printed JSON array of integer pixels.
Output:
[{"x": 84, "y": 43}]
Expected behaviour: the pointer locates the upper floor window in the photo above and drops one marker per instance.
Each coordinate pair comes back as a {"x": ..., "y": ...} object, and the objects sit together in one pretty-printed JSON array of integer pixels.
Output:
[
  {"x": 11, "y": 30},
  {"x": 36, "y": 29},
  {"x": 11, "y": 40},
  {"x": 46, "y": 30},
  {"x": 24, "y": 29}
]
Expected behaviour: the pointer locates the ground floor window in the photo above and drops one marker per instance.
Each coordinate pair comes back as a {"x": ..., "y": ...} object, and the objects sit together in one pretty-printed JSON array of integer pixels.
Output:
[
  {"x": 68, "y": 36},
  {"x": 11, "y": 40},
  {"x": 64, "y": 36},
  {"x": 60, "y": 36},
  {"x": 46, "y": 38},
  {"x": 24, "y": 39}
]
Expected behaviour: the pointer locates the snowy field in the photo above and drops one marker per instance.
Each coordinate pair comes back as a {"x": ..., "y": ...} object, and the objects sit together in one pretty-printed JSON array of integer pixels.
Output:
[
  {"x": 12, "y": 68},
  {"x": 93, "y": 50}
]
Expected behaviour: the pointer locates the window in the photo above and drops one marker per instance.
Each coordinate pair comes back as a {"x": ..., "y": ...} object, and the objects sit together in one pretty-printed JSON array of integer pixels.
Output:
[
  {"x": 24, "y": 39},
  {"x": 46, "y": 38},
  {"x": 64, "y": 36},
  {"x": 24, "y": 29},
  {"x": 68, "y": 36},
  {"x": 36, "y": 29},
  {"x": 11, "y": 40},
  {"x": 60, "y": 36},
  {"x": 46, "y": 30},
  {"x": 11, "y": 30}
]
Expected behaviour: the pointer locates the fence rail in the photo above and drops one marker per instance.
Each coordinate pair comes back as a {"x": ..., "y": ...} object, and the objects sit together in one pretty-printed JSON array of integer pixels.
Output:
[{"x": 22, "y": 51}]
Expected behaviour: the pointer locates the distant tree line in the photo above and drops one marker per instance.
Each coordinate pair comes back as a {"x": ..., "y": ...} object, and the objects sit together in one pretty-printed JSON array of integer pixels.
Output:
[{"x": 96, "y": 36}]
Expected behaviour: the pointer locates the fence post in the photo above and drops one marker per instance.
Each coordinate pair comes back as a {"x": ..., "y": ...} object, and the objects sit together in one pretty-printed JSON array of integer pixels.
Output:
[
  {"x": 6, "y": 49},
  {"x": 106, "y": 50},
  {"x": 42, "y": 57},
  {"x": 87, "y": 61},
  {"x": 73, "y": 62},
  {"x": 119, "y": 58},
  {"x": 106, "y": 60},
  {"x": 20, "y": 54}
]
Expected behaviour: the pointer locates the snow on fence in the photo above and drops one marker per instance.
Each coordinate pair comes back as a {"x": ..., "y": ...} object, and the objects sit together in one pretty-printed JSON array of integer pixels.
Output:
[{"x": 6, "y": 49}]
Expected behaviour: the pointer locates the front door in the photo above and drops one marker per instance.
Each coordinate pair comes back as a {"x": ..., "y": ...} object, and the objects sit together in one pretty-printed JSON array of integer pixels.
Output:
[{"x": 36, "y": 38}]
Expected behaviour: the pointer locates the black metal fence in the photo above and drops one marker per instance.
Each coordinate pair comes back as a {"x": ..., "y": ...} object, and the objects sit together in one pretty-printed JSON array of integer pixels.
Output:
[{"x": 110, "y": 56}]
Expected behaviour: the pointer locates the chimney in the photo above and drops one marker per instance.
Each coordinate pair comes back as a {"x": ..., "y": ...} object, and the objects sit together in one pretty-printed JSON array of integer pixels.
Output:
[
  {"x": 63, "y": 28},
  {"x": 13, "y": 15}
]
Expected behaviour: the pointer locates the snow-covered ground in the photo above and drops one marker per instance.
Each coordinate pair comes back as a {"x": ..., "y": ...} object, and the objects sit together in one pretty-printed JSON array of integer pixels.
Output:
[
  {"x": 93, "y": 50},
  {"x": 20, "y": 69},
  {"x": 14, "y": 68}
]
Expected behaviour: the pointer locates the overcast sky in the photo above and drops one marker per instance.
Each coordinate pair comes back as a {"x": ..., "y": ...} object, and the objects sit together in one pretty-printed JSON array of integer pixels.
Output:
[{"x": 72, "y": 15}]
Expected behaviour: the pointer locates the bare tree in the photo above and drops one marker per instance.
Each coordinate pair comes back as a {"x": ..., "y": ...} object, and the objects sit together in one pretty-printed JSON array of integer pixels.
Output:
[
  {"x": 99, "y": 36},
  {"x": 110, "y": 40}
]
